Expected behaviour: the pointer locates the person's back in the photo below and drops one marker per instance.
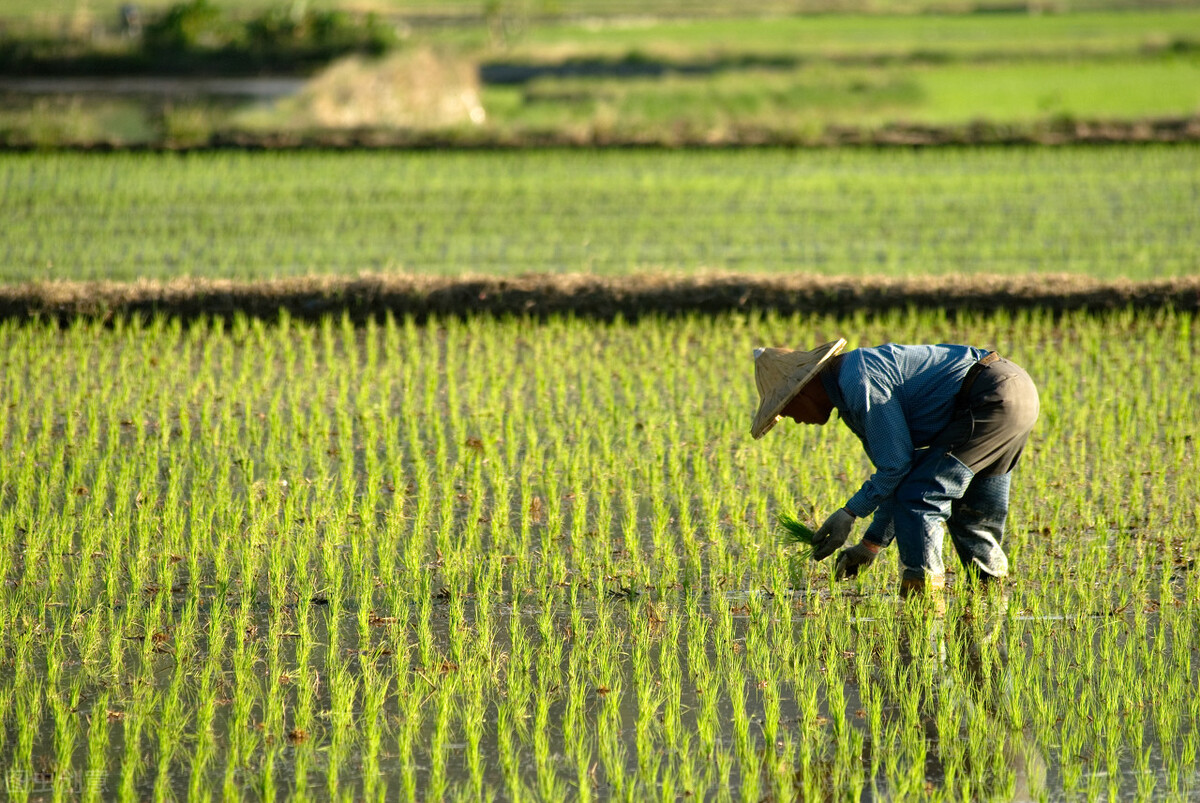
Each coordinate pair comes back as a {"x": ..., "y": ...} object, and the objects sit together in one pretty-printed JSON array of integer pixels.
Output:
[{"x": 884, "y": 384}]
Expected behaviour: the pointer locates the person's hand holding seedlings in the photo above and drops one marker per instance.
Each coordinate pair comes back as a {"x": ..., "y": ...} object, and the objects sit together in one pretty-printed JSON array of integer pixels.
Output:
[{"x": 832, "y": 534}]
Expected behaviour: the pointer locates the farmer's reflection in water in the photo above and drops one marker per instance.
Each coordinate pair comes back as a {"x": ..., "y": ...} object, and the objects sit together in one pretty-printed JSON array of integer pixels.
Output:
[{"x": 964, "y": 706}]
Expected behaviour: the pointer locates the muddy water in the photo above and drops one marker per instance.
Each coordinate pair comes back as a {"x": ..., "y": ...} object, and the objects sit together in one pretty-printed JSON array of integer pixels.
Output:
[
  {"x": 976, "y": 682},
  {"x": 251, "y": 88}
]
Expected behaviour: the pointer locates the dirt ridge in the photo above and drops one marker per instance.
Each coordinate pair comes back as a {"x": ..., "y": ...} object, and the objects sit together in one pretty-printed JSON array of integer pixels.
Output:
[
  {"x": 375, "y": 296},
  {"x": 1064, "y": 131}
]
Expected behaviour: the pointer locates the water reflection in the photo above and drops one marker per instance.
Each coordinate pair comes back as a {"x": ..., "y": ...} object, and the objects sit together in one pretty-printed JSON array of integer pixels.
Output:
[{"x": 964, "y": 700}]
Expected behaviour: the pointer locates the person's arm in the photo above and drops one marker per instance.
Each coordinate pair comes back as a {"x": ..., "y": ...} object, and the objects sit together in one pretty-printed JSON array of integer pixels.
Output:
[
  {"x": 888, "y": 444},
  {"x": 882, "y": 531}
]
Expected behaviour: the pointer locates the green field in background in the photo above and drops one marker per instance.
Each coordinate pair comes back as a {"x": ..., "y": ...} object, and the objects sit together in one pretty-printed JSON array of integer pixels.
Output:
[
  {"x": 780, "y": 105},
  {"x": 785, "y": 80},
  {"x": 1098, "y": 211},
  {"x": 803, "y": 103},
  {"x": 1021, "y": 93},
  {"x": 803, "y": 74},
  {"x": 883, "y": 35}
]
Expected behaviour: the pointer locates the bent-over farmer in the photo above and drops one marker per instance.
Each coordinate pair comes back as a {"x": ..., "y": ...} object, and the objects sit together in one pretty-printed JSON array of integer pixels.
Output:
[{"x": 944, "y": 427}]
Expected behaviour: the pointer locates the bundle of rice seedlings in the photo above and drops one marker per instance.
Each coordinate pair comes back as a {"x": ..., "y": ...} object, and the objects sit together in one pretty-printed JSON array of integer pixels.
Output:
[{"x": 793, "y": 531}]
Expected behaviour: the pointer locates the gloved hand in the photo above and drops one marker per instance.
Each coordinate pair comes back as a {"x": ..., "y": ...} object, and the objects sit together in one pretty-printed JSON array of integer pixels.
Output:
[
  {"x": 850, "y": 561},
  {"x": 832, "y": 534}
]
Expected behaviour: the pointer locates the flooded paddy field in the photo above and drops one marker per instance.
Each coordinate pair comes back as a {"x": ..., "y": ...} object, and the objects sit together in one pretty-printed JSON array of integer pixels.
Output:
[{"x": 509, "y": 560}]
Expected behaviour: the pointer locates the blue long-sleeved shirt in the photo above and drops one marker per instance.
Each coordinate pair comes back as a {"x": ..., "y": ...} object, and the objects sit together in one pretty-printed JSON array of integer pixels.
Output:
[{"x": 896, "y": 399}]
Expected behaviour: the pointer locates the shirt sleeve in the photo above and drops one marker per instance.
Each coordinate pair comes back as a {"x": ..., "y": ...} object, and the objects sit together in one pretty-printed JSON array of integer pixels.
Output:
[
  {"x": 887, "y": 441},
  {"x": 882, "y": 529}
]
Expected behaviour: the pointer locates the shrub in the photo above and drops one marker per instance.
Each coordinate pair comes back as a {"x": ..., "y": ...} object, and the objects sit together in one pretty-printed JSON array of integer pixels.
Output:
[{"x": 187, "y": 26}]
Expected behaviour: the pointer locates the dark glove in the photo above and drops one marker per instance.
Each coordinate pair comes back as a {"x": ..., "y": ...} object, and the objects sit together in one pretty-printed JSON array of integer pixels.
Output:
[
  {"x": 851, "y": 561},
  {"x": 832, "y": 534}
]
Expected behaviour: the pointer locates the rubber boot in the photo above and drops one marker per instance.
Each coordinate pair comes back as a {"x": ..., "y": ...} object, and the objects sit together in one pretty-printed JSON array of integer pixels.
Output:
[{"x": 928, "y": 593}]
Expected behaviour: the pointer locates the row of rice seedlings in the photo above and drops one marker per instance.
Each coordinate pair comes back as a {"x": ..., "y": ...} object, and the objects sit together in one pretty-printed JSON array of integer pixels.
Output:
[
  {"x": 847, "y": 212},
  {"x": 254, "y": 535}
]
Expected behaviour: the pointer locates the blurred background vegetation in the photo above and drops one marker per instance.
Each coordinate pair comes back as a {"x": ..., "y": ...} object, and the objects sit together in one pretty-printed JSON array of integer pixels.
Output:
[{"x": 110, "y": 73}]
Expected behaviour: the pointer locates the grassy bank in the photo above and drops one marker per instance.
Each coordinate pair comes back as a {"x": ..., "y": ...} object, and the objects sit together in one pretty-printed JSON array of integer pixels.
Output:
[
  {"x": 1081, "y": 33},
  {"x": 65, "y": 12}
]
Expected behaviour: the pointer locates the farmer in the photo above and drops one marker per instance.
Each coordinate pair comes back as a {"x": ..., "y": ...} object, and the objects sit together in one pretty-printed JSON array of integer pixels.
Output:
[{"x": 944, "y": 427}]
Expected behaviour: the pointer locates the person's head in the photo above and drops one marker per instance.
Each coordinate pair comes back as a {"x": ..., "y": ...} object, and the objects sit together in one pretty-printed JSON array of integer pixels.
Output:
[
  {"x": 786, "y": 385},
  {"x": 812, "y": 404}
]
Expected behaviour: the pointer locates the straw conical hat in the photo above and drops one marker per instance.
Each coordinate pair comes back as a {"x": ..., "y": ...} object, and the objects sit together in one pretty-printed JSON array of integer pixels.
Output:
[{"x": 780, "y": 374}]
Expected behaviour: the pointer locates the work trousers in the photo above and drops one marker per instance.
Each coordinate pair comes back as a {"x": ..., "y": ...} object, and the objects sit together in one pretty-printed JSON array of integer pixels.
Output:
[{"x": 961, "y": 482}]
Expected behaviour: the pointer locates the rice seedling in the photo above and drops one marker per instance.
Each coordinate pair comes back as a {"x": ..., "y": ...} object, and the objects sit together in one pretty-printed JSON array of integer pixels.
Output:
[
  {"x": 465, "y": 593},
  {"x": 842, "y": 212},
  {"x": 793, "y": 531}
]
